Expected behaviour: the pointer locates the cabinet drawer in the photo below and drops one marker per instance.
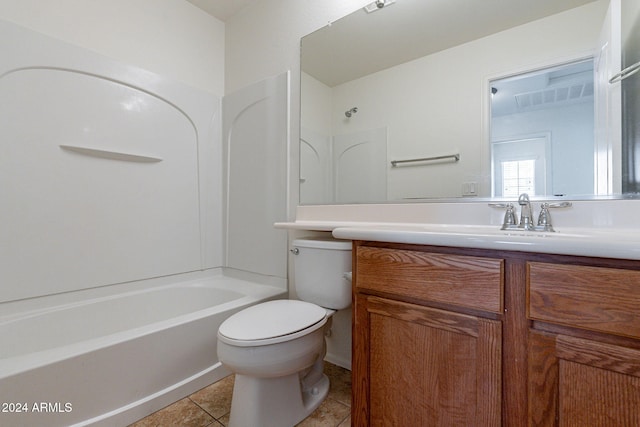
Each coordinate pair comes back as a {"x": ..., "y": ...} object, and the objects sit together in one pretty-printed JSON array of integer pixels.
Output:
[
  {"x": 593, "y": 298},
  {"x": 467, "y": 281}
]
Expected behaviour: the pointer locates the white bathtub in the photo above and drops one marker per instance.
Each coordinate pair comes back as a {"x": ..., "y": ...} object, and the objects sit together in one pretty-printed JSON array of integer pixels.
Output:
[{"x": 110, "y": 356}]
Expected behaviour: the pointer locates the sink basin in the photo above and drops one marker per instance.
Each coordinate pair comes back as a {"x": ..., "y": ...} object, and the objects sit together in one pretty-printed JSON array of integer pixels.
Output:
[{"x": 610, "y": 243}]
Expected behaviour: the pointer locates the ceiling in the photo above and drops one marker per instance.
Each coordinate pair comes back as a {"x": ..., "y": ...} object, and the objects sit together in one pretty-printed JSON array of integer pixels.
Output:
[{"x": 222, "y": 9}]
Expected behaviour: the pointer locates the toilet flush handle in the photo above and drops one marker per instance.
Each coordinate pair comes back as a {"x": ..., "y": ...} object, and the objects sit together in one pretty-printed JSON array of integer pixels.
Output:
[{"x": 295, "y": 251}]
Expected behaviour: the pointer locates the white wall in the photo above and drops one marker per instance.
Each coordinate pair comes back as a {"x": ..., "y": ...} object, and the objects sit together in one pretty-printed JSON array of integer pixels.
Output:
[
  {"x": 172, "y": 38},
  {"x": 316, "y": 106}
]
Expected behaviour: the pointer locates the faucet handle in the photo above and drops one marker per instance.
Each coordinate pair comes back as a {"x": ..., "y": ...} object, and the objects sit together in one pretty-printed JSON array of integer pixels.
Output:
[
  {"x": 544, "y": 219},
  {"x": 509, "y": 220},
  {"x": 509, "y": 217}
]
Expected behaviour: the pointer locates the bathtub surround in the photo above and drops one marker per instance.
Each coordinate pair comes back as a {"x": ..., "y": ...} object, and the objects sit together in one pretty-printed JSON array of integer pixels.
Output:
[
  {"x": 118, "y": 189},
  {"x": 113, "y": 370},
  {"x": 255, "y": 144},
  {"x": 115, "y": 171}
]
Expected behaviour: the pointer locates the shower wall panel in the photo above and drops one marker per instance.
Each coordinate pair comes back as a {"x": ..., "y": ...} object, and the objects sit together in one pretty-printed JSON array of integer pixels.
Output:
[
  {"x": 108, "y": 173},
  {"x": 255, "y": 133}
]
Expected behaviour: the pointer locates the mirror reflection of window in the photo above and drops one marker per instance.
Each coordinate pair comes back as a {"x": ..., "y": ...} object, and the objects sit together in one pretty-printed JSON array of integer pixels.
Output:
[
  {"x": 518, "y": 176},
  {"x": 530, "y": 151},
  {"x": 557, "y": 102}
]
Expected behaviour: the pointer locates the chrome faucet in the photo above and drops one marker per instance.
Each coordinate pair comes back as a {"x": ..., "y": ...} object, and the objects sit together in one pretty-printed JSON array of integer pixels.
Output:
[{"x": 526, "y": 215}]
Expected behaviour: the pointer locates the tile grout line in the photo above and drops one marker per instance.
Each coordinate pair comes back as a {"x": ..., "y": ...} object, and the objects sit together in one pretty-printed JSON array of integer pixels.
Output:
[{"x": 217, "y": 420}]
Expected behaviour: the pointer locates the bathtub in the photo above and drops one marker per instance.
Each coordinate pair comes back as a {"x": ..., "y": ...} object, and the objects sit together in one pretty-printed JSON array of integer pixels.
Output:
[{"x": 112, "y": 355}]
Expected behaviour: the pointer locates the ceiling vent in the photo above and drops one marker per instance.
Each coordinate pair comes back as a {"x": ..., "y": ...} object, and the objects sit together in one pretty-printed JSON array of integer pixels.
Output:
[{"x": 566, "y": 94}]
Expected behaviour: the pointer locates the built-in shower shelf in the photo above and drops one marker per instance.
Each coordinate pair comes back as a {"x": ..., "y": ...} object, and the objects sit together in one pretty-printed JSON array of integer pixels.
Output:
[{"x": 113, "y": 155}]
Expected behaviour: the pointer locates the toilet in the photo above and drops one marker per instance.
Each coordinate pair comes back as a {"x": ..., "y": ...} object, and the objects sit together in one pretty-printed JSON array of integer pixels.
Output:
[{"x": 276, "y": 348}]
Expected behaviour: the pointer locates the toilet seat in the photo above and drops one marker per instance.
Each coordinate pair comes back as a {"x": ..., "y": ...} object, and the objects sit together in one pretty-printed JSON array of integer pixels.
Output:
[{"x": 272, "y": 322}]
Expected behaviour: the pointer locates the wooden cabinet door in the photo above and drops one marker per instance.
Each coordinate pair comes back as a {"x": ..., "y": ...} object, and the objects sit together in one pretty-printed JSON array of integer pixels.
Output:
[
  {"x": 420, "y": 366},
  {"x": 580, "y": 382}
]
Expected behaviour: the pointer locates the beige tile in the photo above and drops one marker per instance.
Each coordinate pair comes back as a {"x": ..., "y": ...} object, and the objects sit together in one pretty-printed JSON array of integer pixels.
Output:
[
  {"x": 329, "y": 414},
  {"x": 346, "y": 422},
  {"x": 340, "y": 380},
  {"x": 216, "y": 398},
  {"x": 184, "y": 413},
  {"x": 224, "y": 420}
]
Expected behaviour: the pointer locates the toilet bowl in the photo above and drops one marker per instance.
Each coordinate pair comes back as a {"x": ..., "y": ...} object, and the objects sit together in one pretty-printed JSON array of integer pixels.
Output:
[{"x": 277, "y": 348}]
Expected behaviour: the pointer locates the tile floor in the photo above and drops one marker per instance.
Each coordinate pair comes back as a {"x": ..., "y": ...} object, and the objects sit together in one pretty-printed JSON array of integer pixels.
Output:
[{"x": 210, "y": 406}]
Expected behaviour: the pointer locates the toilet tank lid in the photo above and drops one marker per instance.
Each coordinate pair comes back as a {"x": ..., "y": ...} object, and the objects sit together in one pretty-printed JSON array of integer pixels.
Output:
[
  {"x": 271, "y": 319},
  {"x": 323, "y": 243}
]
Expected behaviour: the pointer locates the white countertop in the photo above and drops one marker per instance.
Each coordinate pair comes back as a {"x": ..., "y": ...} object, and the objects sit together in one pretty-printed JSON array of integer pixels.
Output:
[
  {"x": 603, "y": 228},
  {"x": 611, "y": 243}
]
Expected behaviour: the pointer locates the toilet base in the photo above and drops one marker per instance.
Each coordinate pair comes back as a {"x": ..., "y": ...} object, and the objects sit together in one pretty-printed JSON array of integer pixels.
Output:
[{"x": 275, "y": 402}]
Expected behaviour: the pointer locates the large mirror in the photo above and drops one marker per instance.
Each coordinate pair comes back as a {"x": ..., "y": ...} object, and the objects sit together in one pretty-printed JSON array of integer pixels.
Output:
[{"x": 407, "y": 100}]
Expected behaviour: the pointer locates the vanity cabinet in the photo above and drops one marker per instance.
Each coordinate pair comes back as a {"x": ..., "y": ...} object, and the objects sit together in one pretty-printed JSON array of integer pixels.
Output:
[
  {"x": 455, "y": 336},
  {"x": 584, "y": 348},
  {"x": 427, "y": 338}
]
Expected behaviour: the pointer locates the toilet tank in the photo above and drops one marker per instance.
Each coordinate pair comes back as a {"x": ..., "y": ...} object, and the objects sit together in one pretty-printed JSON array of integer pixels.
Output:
[{"x": 319, "y": 266}]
